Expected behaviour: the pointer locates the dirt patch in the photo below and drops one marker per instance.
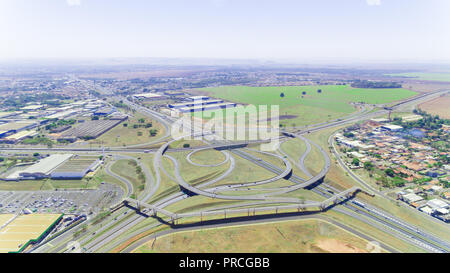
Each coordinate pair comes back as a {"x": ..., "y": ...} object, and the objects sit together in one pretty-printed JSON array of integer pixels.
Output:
[
  {"x": 438, "y": 106},
  {"x": 336, "y": 246}
]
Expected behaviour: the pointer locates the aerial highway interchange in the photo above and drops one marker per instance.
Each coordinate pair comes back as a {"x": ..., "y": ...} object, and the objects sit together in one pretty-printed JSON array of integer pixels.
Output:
[{"x": 133, "y": 211}]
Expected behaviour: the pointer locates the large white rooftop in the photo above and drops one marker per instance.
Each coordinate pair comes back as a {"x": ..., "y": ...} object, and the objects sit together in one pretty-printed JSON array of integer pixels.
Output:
[{"x": 43, "y": 166}]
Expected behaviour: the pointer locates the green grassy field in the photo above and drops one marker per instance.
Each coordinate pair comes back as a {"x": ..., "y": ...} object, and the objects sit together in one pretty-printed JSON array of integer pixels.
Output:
[
  {"x": 125, "y": 169},
  {"x": 333, "y": 102},
  {"x": 122, "y": 136},
  {"x": 441, "y": 77},
  {"x": 208, "y": 157}
]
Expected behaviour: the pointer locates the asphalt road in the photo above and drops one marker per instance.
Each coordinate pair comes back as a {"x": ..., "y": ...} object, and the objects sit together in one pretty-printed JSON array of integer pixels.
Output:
[{"x": 119, "y": 229}]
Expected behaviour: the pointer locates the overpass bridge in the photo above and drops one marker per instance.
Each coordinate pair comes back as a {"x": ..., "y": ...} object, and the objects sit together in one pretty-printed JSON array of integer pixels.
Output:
[{"x": 319, "y": 206}]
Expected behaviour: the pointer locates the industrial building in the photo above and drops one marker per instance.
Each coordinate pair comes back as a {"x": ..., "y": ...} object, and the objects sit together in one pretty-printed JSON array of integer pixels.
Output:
[
  {"x": 63, "y": 115},
  {"x": 105, "y": 111},
  {"x": 14, "y": 138},
  {"x": 90, "y": 129},
  {"x": 195, "y": 98},
  {"x": 198, "y": 104},
  {"x": 194, "y": 103},
  {"x": 42, "y": 169},
  {"x": 149, "y": 96},
  {"x": 7, "y": 129},
  {"x": 207, "y": 107},
  {"x": 76, "y": 167}
]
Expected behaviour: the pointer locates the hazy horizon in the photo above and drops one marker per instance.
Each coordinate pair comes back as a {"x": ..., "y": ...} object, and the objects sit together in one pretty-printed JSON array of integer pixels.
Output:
[{"x": 286, "y": 31}]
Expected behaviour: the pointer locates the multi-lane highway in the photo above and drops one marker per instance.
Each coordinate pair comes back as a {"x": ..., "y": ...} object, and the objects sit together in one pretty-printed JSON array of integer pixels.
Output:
[{"x": 120, "y": 222}]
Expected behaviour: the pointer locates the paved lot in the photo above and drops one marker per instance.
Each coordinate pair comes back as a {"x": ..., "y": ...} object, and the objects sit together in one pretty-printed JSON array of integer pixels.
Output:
[{"x": 61, "y": 201}]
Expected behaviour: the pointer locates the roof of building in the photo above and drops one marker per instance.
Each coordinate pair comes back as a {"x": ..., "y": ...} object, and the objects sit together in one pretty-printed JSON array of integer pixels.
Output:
[
  {"x": 437, "y": 204},
  {"x": 16, "y": 125},
  {"x": 392, "y": 127},
  {"x": 46, "y": 165},
  {"x": 77, "y": 164},
  {"x": 427, "y": 209},
  {"x": 21, "y": 135},
  {"x": 412, "y": 197},
  {"x": 62, "y": 114},
  {"x": 198, "y": 103},
  {"x": 199, "y": 98},
  {"x": 149, "y": 95},
  {"x": 32, "y": 107}
]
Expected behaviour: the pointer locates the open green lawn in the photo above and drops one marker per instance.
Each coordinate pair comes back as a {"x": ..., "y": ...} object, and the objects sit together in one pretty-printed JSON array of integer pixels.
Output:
[
  {"x": 208, "y": 157},
  {"x": 126, "y": 169},
  {"x": 123, "y": 136},
  {"x": 333, "y": 102},
  {"x": 442, "y": 77}
]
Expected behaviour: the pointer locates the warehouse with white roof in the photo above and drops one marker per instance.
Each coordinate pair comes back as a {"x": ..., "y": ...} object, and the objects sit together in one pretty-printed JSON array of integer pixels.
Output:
[{"x": 42, "y": 169}]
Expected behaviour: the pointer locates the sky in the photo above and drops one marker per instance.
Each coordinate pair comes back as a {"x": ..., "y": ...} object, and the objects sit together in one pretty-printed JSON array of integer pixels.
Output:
[{"x": 352, "y": 30}]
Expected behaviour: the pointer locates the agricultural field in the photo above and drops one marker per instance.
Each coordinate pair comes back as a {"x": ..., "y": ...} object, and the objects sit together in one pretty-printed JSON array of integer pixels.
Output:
[
  {"x": 296, "y": 108},
  {"x": 438, "y": 106},
  {"x": 441, "y": 76},
  {"x": 305, "y": 236}
]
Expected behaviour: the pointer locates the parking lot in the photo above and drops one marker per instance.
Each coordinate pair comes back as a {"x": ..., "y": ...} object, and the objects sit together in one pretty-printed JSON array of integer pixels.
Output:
[{"x": 61, "y": 201}]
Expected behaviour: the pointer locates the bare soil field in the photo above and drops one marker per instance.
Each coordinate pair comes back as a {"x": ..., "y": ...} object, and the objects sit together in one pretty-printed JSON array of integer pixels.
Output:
[
  {"x": 438, "y": 106},
  {"x": 424, "y": 87}
]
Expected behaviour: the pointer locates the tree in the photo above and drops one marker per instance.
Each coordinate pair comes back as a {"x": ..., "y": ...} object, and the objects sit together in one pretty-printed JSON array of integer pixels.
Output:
[
  {"x": 303, "y": 93},
  {"x": 139, "y": 133},
  {"x": 390, "y": 172},
  {"x": 319, "y": 91},
  {"x": 186, "y": 145},
  {"x": 355, "y": 161},
  {"x": 368, "y": 165},
  {"x": 282, "y": 95},
  {"x": 95, "y": 118},
  {"x": 153, "y": 132}
]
